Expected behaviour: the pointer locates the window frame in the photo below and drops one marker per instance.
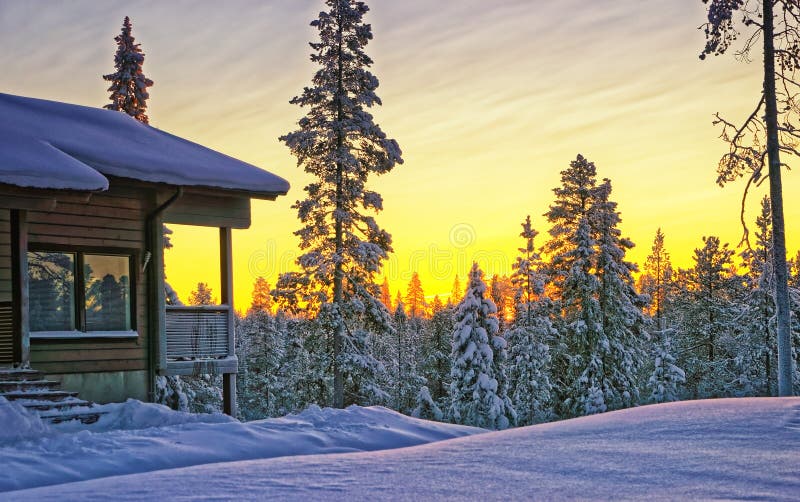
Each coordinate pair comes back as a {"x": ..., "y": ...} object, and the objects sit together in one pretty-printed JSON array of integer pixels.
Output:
[{"x": 79, "y": 296}]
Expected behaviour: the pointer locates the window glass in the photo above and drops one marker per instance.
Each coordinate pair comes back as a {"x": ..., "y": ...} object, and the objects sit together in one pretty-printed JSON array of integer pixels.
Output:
[
  {"x": 108, "y": 292},
  {"x": 51, "y": 291}
]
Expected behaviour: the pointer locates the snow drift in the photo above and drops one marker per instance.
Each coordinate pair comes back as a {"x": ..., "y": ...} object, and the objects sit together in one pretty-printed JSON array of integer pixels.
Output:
[
  {"x": 714, "y": 449},
  {"x": 135, "y": 437}
]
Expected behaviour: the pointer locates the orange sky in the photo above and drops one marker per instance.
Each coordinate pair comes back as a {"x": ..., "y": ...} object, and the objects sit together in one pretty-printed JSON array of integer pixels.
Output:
[{"x": 488, "y": 99}]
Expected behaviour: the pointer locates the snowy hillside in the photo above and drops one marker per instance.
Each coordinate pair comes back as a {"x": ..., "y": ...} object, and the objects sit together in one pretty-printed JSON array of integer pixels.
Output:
[{"x": 715, "y": 449}]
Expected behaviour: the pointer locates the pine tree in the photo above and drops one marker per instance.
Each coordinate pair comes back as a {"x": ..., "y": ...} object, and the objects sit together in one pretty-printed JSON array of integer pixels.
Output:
[
  {"x": 708, "y": 325},
  {"x": 201, "y": 295},
  {"x": 457, "y": 293},
  {"x": 436, "y": 347},
  {"x": 128, "y": 84},
  {"x": 386, "y": 295},
  {"x": 476, "y": 396},
  {"x": 407, "y": 378},
  {"x": 415, "y": 297},
  {"x": 601, "y": 325},
  {"x": 340, "y": 145},
  {"x": 261, "y": 297},
  {"x": 426, "y": 407},
  {"x": 755, "y": 146},
  {"x": 666, "y": 377},
  {"x": 621, "y": 347},
  {"x": 656, "y": 279},
  {"x": 758, "y": 355},
  {"x": 501, "y": 291},
  {"x": 530, "y": 335}
]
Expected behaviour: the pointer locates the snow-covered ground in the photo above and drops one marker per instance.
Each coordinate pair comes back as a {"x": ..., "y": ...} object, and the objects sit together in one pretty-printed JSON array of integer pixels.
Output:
[
  {"x": 135, "y": 437},
  {"x": 715, "y": 449}
]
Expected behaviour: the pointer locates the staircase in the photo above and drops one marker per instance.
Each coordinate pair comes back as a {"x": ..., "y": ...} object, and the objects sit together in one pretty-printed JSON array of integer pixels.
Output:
[{"x": 32, "y": 390}]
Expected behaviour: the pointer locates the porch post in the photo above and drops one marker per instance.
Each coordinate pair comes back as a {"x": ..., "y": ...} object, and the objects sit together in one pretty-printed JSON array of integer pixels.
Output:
[
  {"x": 157, "y": 305},
  {"x": 226, "y": 276},
  {"x": 19, "y": 286}
]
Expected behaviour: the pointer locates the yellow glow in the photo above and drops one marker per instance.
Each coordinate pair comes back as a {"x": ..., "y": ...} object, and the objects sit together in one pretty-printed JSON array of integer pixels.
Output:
[{"x": 488, "y": 100}]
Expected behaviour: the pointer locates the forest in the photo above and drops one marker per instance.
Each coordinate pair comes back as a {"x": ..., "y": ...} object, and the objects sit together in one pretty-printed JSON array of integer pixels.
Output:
[
  {"x": 575, "y": 329},
  {"x": 648, "y": 334}
]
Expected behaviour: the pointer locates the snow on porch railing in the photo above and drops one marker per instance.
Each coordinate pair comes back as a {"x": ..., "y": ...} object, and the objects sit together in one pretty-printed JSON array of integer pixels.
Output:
[{"x": 197, "y": 332}]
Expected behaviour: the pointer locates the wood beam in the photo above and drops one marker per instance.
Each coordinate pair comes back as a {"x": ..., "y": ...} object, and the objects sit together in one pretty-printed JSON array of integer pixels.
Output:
[
  {"x": 19, "y": 286},
  {"x": 226, "y": 297}
]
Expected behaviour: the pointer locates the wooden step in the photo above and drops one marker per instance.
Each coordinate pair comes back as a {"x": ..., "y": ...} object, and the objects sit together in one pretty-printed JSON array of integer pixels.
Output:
[
  {"x": 44, "y": 405},
  {"x": 17, "y": 374},
  {"x": 39, "y": 395},
  {"x": 24, "y": 385},
  {"x": 85, "y": 416}
]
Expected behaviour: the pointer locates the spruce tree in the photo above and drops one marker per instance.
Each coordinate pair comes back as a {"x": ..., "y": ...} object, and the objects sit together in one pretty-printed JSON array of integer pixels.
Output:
[
  {"x": 426, "y": 407},
  {"x": 477, "y": 397},
  {"x": 341, "y": 146},
  {"x": 656, "y": 279},
  {"x": 261, "y": 298},
  {"x": 436, "y": 347},
  {"x": 623, "y": 324},
  {"x": 415, "y": 297},
  {"x": 530, "y": 334},
  {"x": 456, "y": 293},
  {"x": 601, "y": 325},
  {"x": 201, "y": 295},
  {"x": 386, "y": 295},
  {"x": 665, "y": 380},
  {"x": 709, "y": 321},
  {"x": 128, "y": 84}
]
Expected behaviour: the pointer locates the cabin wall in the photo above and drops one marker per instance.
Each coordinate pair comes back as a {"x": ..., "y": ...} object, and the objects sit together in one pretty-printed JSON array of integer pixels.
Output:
[
  {"x": 107, "y": 369},
  {"x": 6, "y": 323},
  {"x": 5, "y": 255}
]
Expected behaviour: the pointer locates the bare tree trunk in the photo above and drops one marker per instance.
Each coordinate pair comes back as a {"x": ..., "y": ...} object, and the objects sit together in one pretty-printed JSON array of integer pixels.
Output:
[
  {"x": 776, "y": 200},
  {"x": 338, "y": 273}
]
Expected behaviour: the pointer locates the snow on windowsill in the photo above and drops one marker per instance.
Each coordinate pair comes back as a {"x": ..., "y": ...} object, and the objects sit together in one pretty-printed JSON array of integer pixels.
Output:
[{"x": 74, "y": 335}]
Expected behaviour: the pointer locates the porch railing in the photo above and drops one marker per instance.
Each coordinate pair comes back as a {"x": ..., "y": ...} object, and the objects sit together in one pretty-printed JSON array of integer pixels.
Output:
[
  {"x": 6, "y": 333},
  {"x": 198, "y": 332}
]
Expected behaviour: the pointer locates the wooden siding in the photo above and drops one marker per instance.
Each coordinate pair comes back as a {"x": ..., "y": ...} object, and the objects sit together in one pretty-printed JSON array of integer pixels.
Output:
[
  {"x": 5, "y": 256},
  {"x": 209, "y": 210},
  {"x": 108, "y": 221}
]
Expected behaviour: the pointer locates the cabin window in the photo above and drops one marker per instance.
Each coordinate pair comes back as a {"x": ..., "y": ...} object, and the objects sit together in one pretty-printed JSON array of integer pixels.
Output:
[{"x": 79, "y": 293}]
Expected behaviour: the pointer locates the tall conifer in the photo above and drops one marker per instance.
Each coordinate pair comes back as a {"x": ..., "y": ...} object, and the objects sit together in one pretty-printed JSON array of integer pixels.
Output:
[{"x": 341, "y": 146}]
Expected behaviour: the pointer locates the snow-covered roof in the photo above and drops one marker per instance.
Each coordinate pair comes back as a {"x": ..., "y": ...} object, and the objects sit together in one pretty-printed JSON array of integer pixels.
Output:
[{"x": 54, "y": 145}]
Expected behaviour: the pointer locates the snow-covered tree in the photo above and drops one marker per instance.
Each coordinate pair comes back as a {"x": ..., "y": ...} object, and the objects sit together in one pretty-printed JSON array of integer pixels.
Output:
[
  {"x": 601, "y": 324},
  {"x": 756, "y": 146},
  {"x": 436, "y": 348},
  {"x": 665, "y": 380},
  {"x": 426, "y": 407},
  {"x": 656, "y": 279},
  {"x": 530, "y": 334},
  {"x": 757, "y": 354},
  {"x": 201, "y": 295},
  {"x": 339, "y": 144},
  {"x": 623, "y": 324},
  {"x": 476, "y": 396},
  {"x": 708, "y": 320},
  {"x": 128, "y": 84}
]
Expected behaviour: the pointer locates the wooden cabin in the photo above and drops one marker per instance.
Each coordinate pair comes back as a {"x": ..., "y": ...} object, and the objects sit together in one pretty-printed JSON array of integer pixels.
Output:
[{"x": 84, "y": 194}]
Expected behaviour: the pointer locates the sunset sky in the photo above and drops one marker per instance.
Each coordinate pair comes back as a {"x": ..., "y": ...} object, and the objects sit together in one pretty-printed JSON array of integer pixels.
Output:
[{"x": 488, "y": 99}]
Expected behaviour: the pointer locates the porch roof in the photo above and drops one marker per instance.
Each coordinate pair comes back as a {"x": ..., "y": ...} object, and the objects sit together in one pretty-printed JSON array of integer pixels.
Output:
[{"x": 53, "y": 145}]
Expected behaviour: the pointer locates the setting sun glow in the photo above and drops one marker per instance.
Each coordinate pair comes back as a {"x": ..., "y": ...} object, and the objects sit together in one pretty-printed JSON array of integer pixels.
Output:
[{"x": 489, "y": 101}]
